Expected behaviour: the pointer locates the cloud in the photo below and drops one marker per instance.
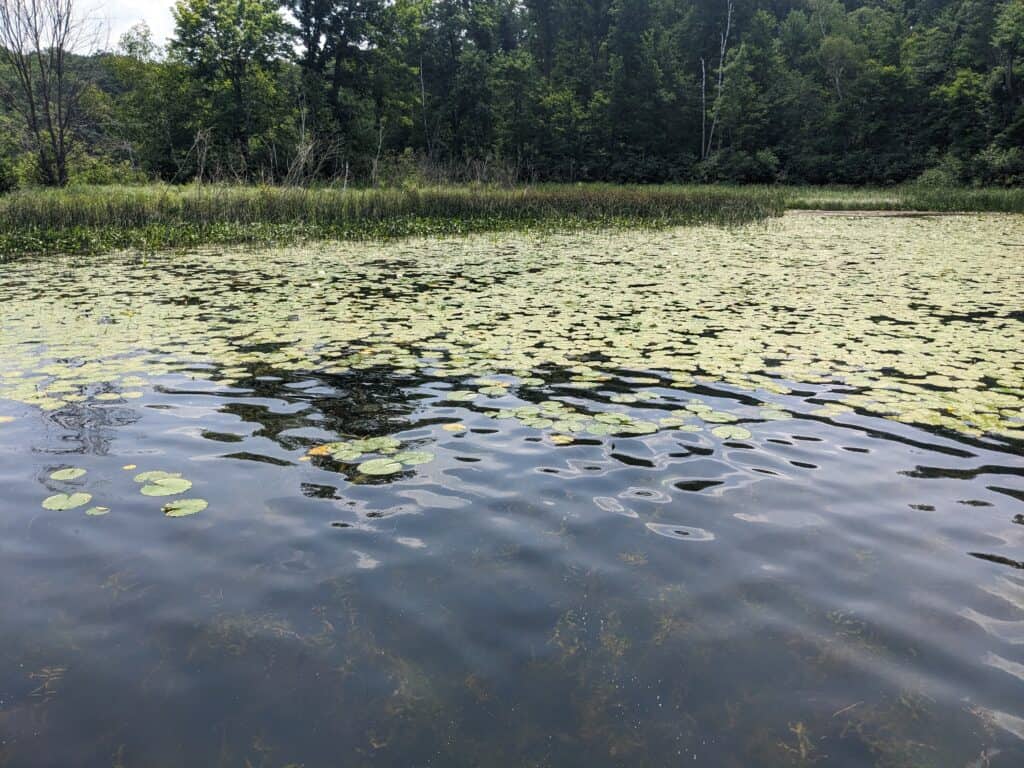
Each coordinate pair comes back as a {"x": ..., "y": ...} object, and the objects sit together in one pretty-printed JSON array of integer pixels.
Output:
[{"x": 122, "y": 15}]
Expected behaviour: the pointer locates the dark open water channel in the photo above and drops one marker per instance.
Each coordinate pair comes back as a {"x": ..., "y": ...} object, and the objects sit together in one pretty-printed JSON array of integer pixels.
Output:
[{"x": 700, "y": 497}]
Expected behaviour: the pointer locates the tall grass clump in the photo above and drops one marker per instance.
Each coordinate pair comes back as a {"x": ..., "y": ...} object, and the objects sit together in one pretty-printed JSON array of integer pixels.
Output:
[{"x": 94, "y": 218}]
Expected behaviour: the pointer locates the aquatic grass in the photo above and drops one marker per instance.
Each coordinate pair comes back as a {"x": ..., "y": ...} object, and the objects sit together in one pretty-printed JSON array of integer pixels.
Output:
[
  {"x": 94, "y": 219},
  {"x": 906, "y": 198}
]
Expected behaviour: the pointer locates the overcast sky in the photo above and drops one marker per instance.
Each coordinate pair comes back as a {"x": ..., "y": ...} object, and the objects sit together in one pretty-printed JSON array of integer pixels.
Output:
[{"x": 122, "y": 15}]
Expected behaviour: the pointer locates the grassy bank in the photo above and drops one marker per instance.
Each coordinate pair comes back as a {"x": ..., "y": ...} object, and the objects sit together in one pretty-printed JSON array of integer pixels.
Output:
[
  {"x": 906, "y": 198},
  {"x": 94, "y": 219},
  {"x": 89, "y": 219}
]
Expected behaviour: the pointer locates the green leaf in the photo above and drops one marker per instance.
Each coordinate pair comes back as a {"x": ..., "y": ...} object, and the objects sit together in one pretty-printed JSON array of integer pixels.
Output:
[
  {"x": 156, "y": 474},
  {"x": 731, "y": 432},
  {"x": 166, "y": 486},
  {"x": 97, "y": 511},
  {"x": 380, "y": 467},
  {"x": 184, "y": 507},
  {"x": 412, "y": 458},
  {"x": 346, "y": 454},
  {"x": 71, "y": 473},
  {"x": 61, "y": 501}
]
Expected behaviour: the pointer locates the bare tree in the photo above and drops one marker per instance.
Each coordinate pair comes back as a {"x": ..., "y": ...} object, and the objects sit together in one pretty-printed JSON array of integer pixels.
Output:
[
  {"x": 707, "y": 136},
  {"x": 37, "y": 40}
]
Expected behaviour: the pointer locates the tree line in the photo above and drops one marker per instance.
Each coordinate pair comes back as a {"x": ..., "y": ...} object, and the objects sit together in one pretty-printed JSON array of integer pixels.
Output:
[{"x": 388, "y": 91}]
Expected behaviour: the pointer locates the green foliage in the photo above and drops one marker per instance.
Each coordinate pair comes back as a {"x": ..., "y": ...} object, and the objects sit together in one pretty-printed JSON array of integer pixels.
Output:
[
  {"x": 90, "y": 219},
  {"x": 8, "y": 181},
  {"x": 414, "y": 92}
]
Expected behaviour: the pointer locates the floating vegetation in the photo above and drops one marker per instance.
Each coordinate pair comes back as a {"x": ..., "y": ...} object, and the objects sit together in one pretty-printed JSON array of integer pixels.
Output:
[
  {"x": 97, "y": 511},
  {"x": 63, "y": 501},
  {"x": 184, "y": 507},
  {"x": 71, "y": 473},
  {"x": 159, "y": 483},
  {"x": 731, "y": 433},
  {"x": 396, "y": 463},
  {"x": 166, "y": 486},
  {"x": 380, "y": 467},
  {"x": 922, "y": 333}
]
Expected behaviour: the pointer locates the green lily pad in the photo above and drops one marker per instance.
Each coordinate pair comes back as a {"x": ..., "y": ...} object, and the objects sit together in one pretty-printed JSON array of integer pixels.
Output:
[
  {"x": 346, "y": 454},
  {"x": 155, "y": 474},
  {"x": 412, "y": 458},
  {"x": 97, "y": 511},
  {"x": 671, "y": 421},
  {"x": 772, "y": 414},
  {"x": 166, "y": 486},
  {"x": 61, "y": 501},
  {"x": 184, "y": 507},
  {"x": 460, "y": 395},
  {"x": 380, "y": 467},
  {"x": 731, "y": 432},
  {"x": 720, "y": 417},
  {"x": 71, "y": 473}
]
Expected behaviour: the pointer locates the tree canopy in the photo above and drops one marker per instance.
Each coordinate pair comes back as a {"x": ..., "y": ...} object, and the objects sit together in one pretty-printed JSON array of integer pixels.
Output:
[{"x": 378, "y": 91}]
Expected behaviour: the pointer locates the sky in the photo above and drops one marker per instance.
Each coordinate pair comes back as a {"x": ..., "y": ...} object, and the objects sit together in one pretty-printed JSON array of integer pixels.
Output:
[{"x": 122, "y": 15}]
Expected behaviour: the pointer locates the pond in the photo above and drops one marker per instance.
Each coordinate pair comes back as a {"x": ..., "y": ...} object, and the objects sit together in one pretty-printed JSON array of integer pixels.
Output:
[{"x": 725, "y": 497}]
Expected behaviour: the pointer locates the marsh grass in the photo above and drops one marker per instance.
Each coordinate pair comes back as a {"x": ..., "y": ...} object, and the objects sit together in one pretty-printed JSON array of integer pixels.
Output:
[
  {"x": 88, "y": 219},
  {"x": 92, "y": 219},
  {"x": 909, "y": 197}
]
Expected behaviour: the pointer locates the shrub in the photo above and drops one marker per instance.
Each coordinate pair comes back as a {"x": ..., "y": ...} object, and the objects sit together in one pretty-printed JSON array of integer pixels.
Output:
[{"x": 8, "y": 179}]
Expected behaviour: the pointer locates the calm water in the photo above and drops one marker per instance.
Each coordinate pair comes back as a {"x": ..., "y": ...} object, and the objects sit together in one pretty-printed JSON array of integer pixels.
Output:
[{"x": 712, "y": 497}]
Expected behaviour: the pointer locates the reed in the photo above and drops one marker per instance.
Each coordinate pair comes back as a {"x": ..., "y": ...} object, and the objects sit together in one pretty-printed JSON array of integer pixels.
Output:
[
  {"x": 91, "y": 218},
  {"x": 910, "y": 197}
]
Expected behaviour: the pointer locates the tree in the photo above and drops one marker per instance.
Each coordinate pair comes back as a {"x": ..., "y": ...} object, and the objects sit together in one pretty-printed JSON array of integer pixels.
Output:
[
  {"x": 38, "y": 40},
  {"x": 232, "y": 49}
]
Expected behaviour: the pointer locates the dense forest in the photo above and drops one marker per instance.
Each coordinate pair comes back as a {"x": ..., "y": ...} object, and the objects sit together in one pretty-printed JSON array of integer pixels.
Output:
[{"x": 393, "y": 91}]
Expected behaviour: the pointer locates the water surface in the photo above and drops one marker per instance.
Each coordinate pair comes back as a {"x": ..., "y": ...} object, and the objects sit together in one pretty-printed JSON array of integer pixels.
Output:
[{"x": 721, "y": 497}]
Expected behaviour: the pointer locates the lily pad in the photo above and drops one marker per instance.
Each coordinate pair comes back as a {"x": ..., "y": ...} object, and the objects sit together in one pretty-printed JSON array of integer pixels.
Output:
[
  {"x": 720, "y": 417},
  {"x": 71, "y": 473},
  {"x": 184, "y": 507},
  {"x": 97, "y": 511},
  {"x": 154, "y": 474},
  {"x": 346, "y": 454},
  {"x": 380, "y": 467},
  {"x": 731, "y": 432},
  {"x": 61, "y": 501},
  {"x": 412, "y": 458},
  {"x": 166, "y": 486}
]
